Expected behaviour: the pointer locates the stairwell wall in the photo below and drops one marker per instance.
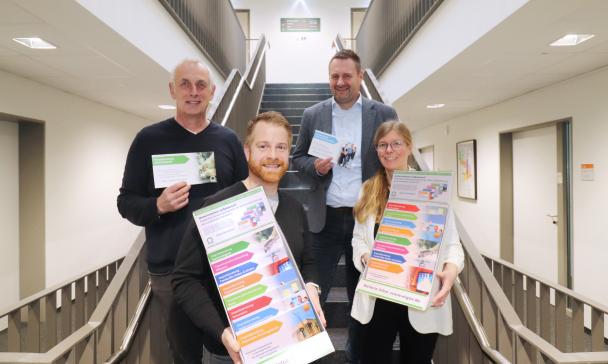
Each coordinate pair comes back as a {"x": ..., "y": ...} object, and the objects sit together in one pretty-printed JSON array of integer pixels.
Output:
[
  {"x": 299, "y": 57},
  {"x": 9, "y": 214},
  {"x": 85, "y": 149}
]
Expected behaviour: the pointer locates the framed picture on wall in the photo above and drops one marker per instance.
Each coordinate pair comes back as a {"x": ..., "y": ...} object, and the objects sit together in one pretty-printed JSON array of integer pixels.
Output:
[{"x": 466, "y": 169}]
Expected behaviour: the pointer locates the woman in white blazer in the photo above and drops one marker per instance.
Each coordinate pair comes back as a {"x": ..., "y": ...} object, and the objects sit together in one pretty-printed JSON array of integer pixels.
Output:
[{"x": 383, "y": 320}]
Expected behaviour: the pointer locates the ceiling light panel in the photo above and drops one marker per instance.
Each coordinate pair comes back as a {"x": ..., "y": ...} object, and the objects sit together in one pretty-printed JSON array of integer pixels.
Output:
[
  {"x": 34, "y": 43},
  {"x": 570, "y": 40}
]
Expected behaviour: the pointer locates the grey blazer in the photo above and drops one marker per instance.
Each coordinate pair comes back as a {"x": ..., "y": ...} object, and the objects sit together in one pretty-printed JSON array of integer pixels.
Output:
[{"x": 319, "y": 117}]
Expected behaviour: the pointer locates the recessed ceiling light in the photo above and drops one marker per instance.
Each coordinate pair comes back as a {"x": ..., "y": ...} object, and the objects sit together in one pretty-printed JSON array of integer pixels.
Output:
[
  {"x": 167, "y": 107},
  {"x": 435, "y": 106},
  {"x": 569, "y": 40},
  {"x": 34, "y": 43}
]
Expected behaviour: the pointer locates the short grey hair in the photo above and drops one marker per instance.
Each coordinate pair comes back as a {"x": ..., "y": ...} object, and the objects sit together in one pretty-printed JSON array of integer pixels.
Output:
[{"x": 191, "y": 61}]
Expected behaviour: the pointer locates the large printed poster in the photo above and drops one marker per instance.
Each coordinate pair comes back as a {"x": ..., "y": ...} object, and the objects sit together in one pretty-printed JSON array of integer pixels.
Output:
[
  {"x": 404, "y": 256},
  {"x": 259, "y": 282}
]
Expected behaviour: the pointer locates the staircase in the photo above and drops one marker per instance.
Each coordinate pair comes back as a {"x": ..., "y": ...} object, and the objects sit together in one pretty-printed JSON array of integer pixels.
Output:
[{"x": 291, "y": 100}]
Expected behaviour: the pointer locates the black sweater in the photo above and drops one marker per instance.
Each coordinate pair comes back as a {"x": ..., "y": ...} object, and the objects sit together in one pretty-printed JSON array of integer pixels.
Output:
[
  {"x": 193, "y": 284},
  {"x": 137, "y": 198}
]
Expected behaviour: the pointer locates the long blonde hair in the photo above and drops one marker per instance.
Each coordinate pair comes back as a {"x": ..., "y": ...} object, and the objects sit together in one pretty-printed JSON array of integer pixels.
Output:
[{"x": 375, "y": 190}]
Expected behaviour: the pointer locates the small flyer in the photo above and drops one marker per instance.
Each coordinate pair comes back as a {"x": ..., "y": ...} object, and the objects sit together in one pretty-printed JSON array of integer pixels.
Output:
[
  {"x": 259, "y": 282},
  {"x": 193, "y": 168},
  {"x": 405, "y": 253},
  {"x": 325, "y": 145}
]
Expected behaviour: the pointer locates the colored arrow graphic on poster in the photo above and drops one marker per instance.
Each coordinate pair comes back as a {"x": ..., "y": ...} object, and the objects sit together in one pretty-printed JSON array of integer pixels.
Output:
[
  {"x": 391, "y": 248},
  {"x": 393, "y": 239},
  {"x": 235, "y": 273},
  {"x": 231, "y": 262},
  {"x": 387, "y": 267},
  {"x": 228, "y": 251},
  {"x": 388, "y": 257},
  {"x": 398, "y": 223},
  {"x": 249, "y": 307},
  {"x": 245, "y": 295},
  {"x": 401, "y": 215},
  {"x": 239, "y": 284},
  {"x": 255, "y": 319},
  {"x": 259, "y": 333},
  {"x": 397, "y": 231},
  {"x": 402, "y": 207}
]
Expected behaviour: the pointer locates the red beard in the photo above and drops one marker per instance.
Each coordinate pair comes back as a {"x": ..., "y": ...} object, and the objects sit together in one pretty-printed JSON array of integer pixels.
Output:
[{"x": 264, "y": 174}]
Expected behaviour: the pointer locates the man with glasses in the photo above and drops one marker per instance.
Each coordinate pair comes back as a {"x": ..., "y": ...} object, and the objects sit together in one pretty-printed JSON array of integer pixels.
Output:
[
  {"x": 353, "y": 119},
  {"x": 165, "y": 212},
  {"x": 267, "y": 148}
]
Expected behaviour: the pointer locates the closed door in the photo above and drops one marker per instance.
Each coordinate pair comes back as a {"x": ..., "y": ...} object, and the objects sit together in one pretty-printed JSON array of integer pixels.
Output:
[{"x": 535, "y": 210}]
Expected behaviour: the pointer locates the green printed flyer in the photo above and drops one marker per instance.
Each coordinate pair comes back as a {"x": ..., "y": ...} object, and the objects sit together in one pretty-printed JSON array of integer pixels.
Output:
[
  {"x": 259, "y": 282},
  {"x": 405, "y": 253},
  {"x": 193, "y": 168}
]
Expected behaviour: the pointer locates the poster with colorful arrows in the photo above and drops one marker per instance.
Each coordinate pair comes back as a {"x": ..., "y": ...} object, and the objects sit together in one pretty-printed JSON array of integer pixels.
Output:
[
  {"x": 259, "y": 283},
  {"x": 404, "y": 256}
]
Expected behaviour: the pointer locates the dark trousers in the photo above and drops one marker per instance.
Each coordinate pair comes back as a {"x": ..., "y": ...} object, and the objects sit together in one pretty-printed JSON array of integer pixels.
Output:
[
  {"x": 378, "y": 335},
  {"x": 328, "y": 246},
  {"x": 162, "y": 300}
]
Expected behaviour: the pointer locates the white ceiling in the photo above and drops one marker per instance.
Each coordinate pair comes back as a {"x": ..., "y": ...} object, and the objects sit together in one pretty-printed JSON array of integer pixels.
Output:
[
  {"x": 512, "y": 59},
  {"x": 91, "y": 60}
]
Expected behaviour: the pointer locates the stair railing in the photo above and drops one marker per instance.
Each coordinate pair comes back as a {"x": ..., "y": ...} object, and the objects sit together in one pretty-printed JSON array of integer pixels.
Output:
[
  {"x": 556, "y": 313},
  {"x": 242, "y": 95},
  {"x": 38, "y": 322},
  {"x": 97, "y": 338}
]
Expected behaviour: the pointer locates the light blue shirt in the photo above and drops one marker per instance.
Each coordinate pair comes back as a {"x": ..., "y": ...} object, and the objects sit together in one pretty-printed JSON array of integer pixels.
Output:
[{"x": 346, "y": 182}]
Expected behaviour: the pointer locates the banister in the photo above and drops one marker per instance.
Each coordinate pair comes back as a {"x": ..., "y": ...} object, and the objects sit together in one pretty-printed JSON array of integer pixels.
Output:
[
  {"x": 257, "y": 62},
  {"x": 476, "y": 326},
  {"x": 588, "y": 301},
  {"x": 134, "y": 324},
  {"x": 88, "y": 330}
]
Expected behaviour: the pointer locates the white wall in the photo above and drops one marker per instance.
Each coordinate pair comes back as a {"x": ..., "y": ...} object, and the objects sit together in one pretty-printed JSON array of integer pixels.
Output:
[
  {"x": 9, "y": 213},
  {"x": 150, "y": 28},
  {"x": 299, "y": 57},
  {"x": 85, "y": 149},
  {"x": 582, "y": 98},
  {"x": 452, "y": 28}
]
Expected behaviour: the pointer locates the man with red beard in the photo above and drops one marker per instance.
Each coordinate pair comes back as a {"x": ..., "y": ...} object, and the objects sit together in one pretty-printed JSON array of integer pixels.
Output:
[{"x": 267, "y": 147}]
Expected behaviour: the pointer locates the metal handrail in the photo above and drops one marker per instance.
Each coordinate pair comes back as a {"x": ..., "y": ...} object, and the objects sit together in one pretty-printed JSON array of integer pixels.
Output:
[
  {"x": 480, "y": 334},
  {"x": 565, "y": 290},
  {"x": 96, "y": 320},
  {"x": 134, "y": 324},
  {"x": 511, "y": 317},
  {"x": 257, "y": 62},
  {"x": 38, "y": 295}
]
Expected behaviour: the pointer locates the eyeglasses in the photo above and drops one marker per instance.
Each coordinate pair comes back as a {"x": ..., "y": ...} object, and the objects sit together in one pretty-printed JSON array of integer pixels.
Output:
[{"x": 396, "y": 146}]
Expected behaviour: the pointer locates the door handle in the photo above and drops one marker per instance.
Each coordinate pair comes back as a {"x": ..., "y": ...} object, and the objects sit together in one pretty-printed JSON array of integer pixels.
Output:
[{"x": 553, "y": 218}]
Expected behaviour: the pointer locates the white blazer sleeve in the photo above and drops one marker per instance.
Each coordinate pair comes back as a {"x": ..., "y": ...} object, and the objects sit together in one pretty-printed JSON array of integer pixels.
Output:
[
  {"x": 453, "y": 252},
  {"x": 362, "y": 241}
]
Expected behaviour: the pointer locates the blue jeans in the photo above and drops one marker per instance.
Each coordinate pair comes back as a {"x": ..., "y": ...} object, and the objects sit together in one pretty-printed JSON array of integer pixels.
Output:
[{"x": 328, "y": 246}]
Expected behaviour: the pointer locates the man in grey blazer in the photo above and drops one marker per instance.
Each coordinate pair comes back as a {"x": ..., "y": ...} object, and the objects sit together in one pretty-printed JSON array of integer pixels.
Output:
[{"x": 353, "y": 119}]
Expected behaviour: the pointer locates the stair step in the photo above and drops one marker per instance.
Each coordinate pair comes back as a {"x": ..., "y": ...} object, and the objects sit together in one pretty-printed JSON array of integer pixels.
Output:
[
  {"x": 287, "y": 104},
  {"x": 297, "y": 97},
  {"x": 297, "y": 85},
  {"x": 291, "y": 91},
  {"x": 285, "y": 112},
  {"x": 294, "y": 120}
]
